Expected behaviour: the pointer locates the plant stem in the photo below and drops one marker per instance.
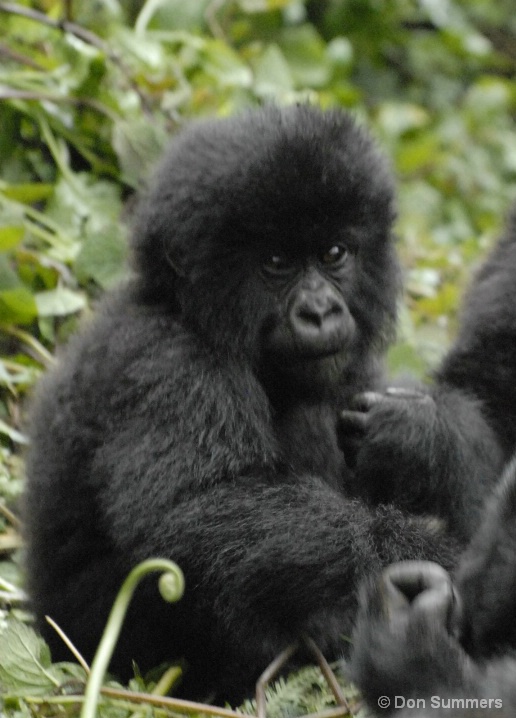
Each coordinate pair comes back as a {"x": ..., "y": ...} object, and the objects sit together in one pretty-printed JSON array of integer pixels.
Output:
[{"x": 114, "y": 626}]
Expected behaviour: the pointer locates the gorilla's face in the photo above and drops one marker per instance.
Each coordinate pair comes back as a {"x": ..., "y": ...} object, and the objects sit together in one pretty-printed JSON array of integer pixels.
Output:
[{"x": 312, "y": 319}]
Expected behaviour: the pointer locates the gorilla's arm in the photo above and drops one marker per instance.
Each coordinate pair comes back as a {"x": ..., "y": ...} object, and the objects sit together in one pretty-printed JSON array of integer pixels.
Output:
[
  {"x": 264, "y": 561},
  {"x": 486, "y": 576},
  {"x": 428, "y": 451},
  {"x": 482, "y": 360},
  {"x": 417, "y": 635},
  {"x": 443, "y": 447}
]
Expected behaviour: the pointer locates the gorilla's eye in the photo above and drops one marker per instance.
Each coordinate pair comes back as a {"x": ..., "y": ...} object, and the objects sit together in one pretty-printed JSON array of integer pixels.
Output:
[
  {"x": 278, "y": 263},
  {"x": 335, "y": 256}
]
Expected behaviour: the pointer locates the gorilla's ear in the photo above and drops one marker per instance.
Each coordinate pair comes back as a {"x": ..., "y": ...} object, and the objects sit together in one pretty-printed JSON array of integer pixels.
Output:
[{"x": 158, "y": 266}]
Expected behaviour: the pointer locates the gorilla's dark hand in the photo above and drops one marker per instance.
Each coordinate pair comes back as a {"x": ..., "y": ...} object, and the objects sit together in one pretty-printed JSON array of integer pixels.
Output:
[
  {"x": 420, "y": 591},
  {"x": 369, "y": 412},
  {"x": 388, "y": 427},
  {"x": 408, "y": 619}
]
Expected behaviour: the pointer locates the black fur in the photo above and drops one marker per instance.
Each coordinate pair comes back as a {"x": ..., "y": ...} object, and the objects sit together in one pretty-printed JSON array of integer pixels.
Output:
[
  {"x": 435, "y": 648},
  {"x": 419, "y": 635},
  {"x": 195, "y": 418}
]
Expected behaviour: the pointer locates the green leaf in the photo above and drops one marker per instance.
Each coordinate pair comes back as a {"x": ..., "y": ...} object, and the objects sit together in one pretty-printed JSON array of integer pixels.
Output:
[
  {"x": 172, "y": 14},
  {"x": 102, "y": 258},
  {"x": 403, "y": 358},
  {"x": 17, "y": 306},
  {"x": 272, "y": 73},
  {"x": 251, "y": 6},
  {"x": 305, "y": 53},
  {"x": 82, "y": 198},
  {"x": 16, "y": 373},
  {"x": 225, "y": 66},
  {"x": 14, "y": 435},
  {"x": 29, "y": 192},
  {"x": 340, "y": 51},
  {"x": 398, "y": 118},
  {"x": 59, "y": 302},
  {"x": 419, "y": 153},
  {"x": 138, "y": 144},
  {"x": 25, "y": 664},
  {"x": 10, "y": 237},
  {"x": 8, "y": 277}
]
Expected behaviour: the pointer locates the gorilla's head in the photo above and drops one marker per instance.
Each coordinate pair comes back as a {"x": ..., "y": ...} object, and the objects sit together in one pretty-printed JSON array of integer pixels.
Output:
[{"x": 270, "y": 233}]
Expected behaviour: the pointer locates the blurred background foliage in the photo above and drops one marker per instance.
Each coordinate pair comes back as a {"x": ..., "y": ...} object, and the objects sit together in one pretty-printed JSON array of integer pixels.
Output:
[{"x": 91, "y": 89}]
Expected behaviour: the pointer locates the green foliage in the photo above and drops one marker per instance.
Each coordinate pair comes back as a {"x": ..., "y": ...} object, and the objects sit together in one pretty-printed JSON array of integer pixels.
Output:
[
  {"x": 91, "y": 89},
  {"x": 86, "y": 107},
  {"x": 30, "y": 684},
  {"x": 29, "y": 681},
  {"x": 25, "y": 665},
  {"x": 304, "y": 693}
]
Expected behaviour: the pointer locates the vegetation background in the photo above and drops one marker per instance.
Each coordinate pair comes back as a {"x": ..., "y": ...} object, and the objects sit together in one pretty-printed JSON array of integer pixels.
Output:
[{"x": 91, "y": 89}]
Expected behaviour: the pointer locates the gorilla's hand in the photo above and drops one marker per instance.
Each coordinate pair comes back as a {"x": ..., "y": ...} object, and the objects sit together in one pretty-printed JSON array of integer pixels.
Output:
[
  {"x": 370, "y": 418},
  {"x": 419, "y": 591},
  {"x": 386, "y": 437},
  {"x": 404, "y": 642}
]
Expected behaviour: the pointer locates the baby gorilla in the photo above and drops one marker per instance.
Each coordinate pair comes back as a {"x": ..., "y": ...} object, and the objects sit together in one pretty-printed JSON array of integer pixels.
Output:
[
  {"x": 196, "y": 417},
  {"x": 437, "y": 648}
]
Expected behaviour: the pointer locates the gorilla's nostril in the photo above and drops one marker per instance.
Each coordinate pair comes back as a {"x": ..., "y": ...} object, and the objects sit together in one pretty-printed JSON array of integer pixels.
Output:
[
  {"x": 317, "y": 312},
  {"x": 311, "y": 315}
]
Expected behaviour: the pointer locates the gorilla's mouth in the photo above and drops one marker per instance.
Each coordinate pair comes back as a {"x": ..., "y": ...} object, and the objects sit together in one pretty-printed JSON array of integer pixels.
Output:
[
  {"x": 311, "y": 356},
  {"x": 284, "y": 342},
  {"x": 313, "y": 353},
  {"x": 307, "y": 354}
]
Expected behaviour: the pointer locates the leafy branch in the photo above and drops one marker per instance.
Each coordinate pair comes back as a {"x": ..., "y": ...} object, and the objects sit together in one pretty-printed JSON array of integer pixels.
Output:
[{"x": 90, "y": 38}]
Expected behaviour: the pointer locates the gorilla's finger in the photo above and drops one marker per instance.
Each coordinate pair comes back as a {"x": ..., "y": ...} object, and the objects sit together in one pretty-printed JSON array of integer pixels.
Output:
[
  {"x": 440, "y": 604},
  {"x": 398, "y": 392},
  {"x": 426, "y": 589},
  {"x": 350, "y": 446},
  {"x": 352, "y": 421},
  {"x": 366, "y": 400},
  {"x": 414, "y": 577}
]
